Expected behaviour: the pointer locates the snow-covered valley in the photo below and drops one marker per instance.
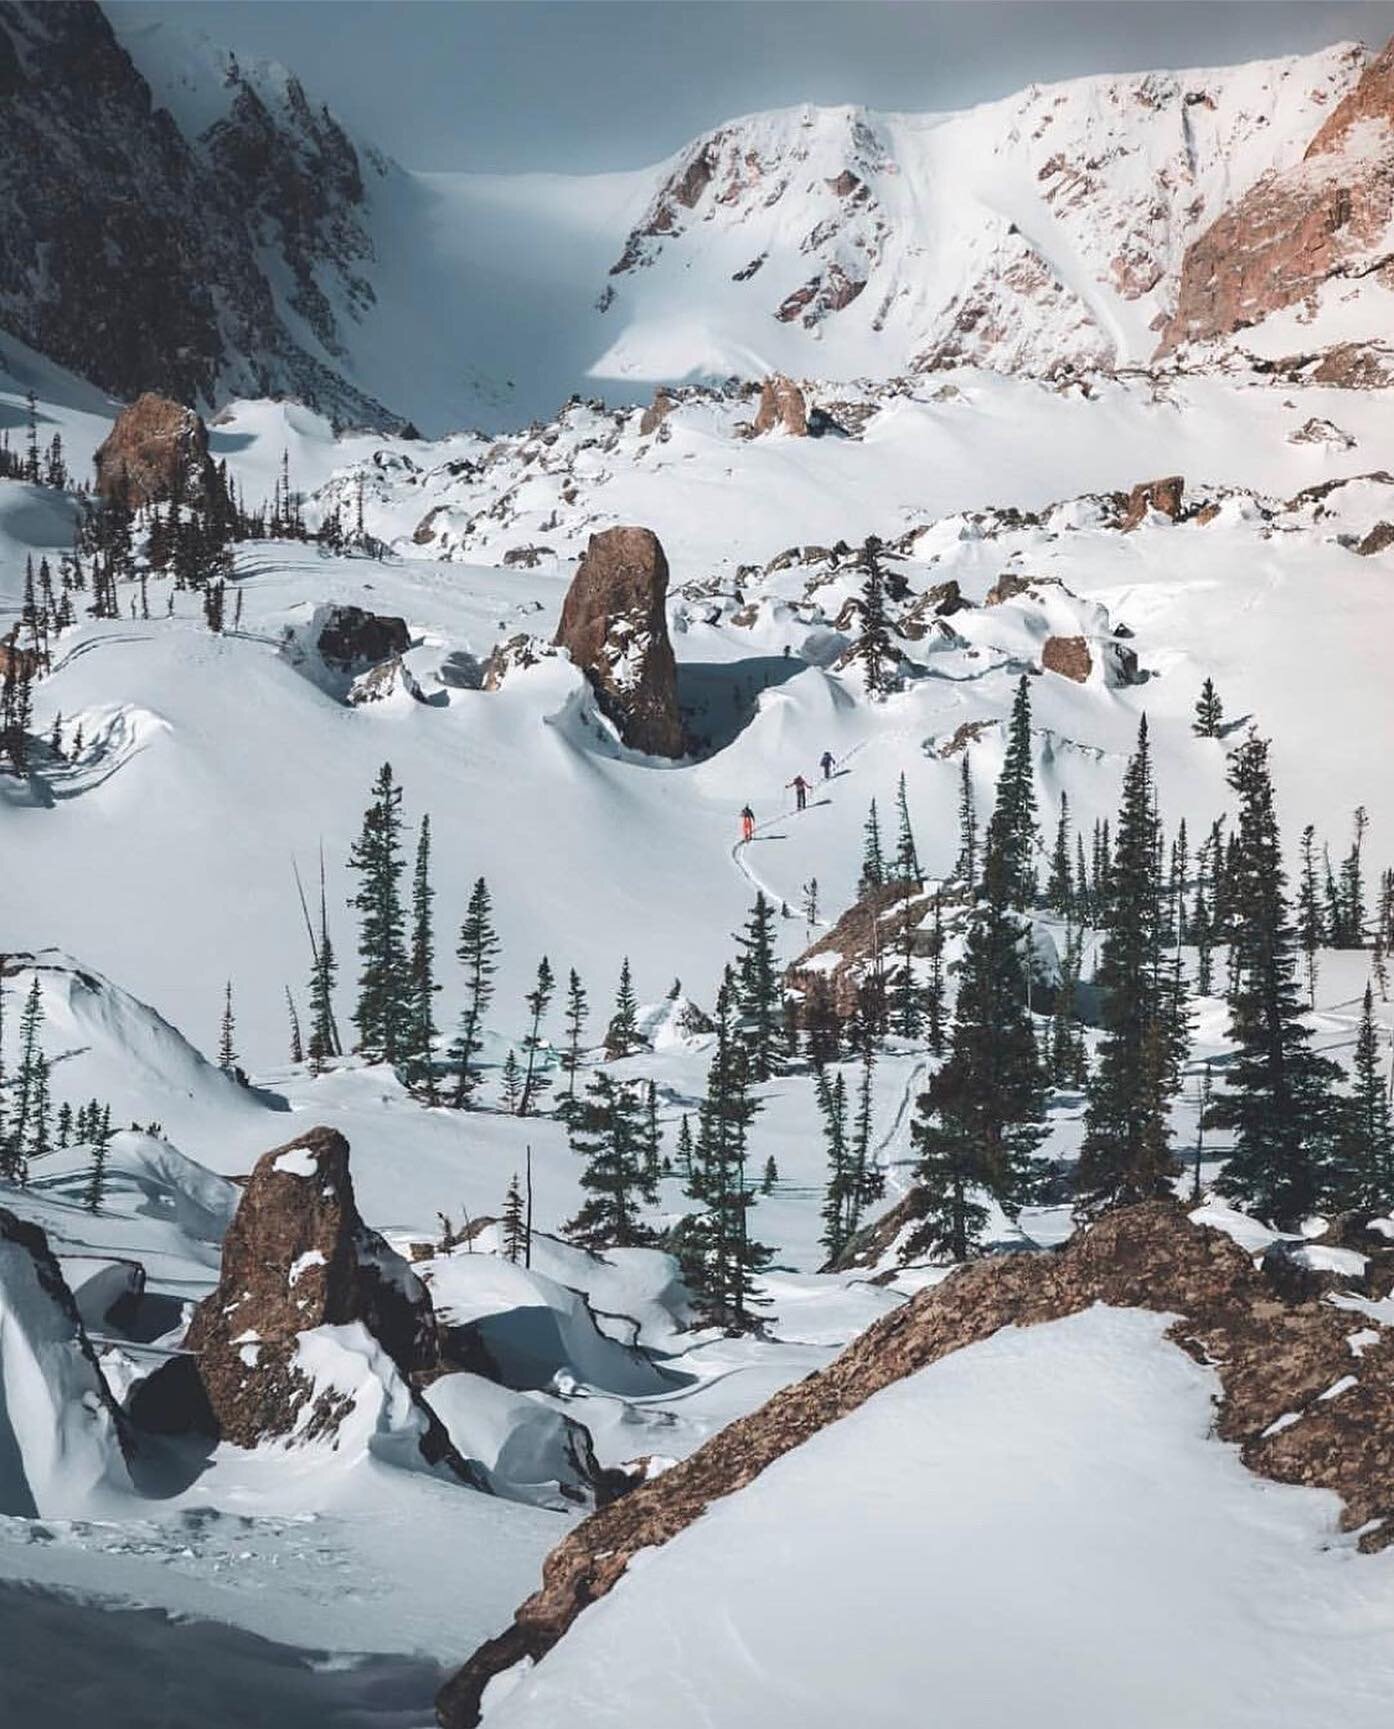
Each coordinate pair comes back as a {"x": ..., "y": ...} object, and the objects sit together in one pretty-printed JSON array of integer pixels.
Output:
[{"x": 337, "y": 1329}]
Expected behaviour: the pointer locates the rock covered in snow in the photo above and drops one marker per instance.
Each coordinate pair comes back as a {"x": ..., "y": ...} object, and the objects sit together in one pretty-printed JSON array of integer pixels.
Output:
[
  {"x": 157, "y": 449},
  {"x": 62, "y": 1438},
  {"x": 1164, "y": 496},
  {"x": 298, "y": 1261},
  {"x": 615, "y": 628},
  {"x": 783, "y": 407}
]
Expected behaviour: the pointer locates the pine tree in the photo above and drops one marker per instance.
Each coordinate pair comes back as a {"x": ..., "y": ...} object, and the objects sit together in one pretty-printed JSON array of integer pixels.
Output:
[
  {"x": 838, "y": 1194},
  {"x": 1352, "y": 887},
  {"x": 771, "y": 1176},
  {"x": 538, "y": 1000},
  {"x": 297, "y": 1043},
  {"x": 478, "y": 954},
  {"x": 324, "y": 1031},
  {"x": 760, "y": 994},
  {"x": 1012, "y": 831},
  {"x": 227, "y": 1034},
  {"x": 1060, "y": 884},
  {"x": 1069, "y": 1056},
  {"x": 873, "y": 648},
  {"x": 873, "y": 859},
  {"x": 907, "y": 860},
  {"x": 1310, "y": 924},
  {"x": 512, "y": 1082},
  {"x": 622, "y": 1035},
  {"x": 96, "y": 1181},
  {"x": 515, "y": 1227},
  {"x": 653, "y": 1139},
  {"x": 979, "y": 1122},
  {"x": 1363, "y": 1176},
  {"x": 934, "y": 986},
  {"x": 685, "y": 1150},
  {"x": 384, "y": 983},
  {"x": 40, "y": 1115},
  {"x": 906, "y": 1007},
  {"x": 1209, "y": 712},
  {"x": 421, "y": 1029},
  {"x": 966, "y": 867},
  {"x": 1277, "y": 1097},
  {"x": 606, "y": 1129},
  {"x": 25, "y": 1087},
  {"x": 577, "y": 1011},
  {"x": 1126, "y": 1153},
  {"x": 867, "y": 1182}
]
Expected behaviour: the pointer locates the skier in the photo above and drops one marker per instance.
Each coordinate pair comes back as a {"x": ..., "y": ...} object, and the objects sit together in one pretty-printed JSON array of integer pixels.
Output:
[
  {"x": 826, "y": 762},
  {"x": 800, "y": 786},
  {"x": 747, "y": 824}
]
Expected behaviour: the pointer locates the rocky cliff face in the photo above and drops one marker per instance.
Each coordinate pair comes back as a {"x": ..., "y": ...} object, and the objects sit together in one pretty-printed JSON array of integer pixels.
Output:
[
  {"x": 615, "y": 628},
  {"x": 131, "y": 253},
  {"x": 157, "y": 449},
  {"x": 1276, "y": 1347}
]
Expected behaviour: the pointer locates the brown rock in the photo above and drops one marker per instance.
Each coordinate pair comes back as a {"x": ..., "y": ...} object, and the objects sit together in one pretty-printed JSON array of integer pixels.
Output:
[
  {"x": 1069, "y": 657},
  {"x": 1164, "y": 495},
  {"x": 1273, "y": 1356},
  {"x": 298, "y": 1256},
  {"x": 1008, "y": 586},
  {"x": 160, "y": 449},
  {"x": 656, "y": 413},
  {"x": 614, "y": 627},
  {"x": 782, "y": 405},
  {"x": 511, "y": 656},
  {"x": 1379, "y": 537}
]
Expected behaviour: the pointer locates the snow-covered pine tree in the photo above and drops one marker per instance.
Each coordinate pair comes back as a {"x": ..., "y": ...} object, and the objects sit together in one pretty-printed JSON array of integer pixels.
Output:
[
  {"x": 478, "y": 954},
  {"x": 1125, "y": 1156},
  {"x": 1210, "y": 712},
  {"x": 384, "y": 984},
  {"x": 1277, "y": 1098},
  {"x": 421, "y": 1029},
  {"x": 538, "y": 1000}
]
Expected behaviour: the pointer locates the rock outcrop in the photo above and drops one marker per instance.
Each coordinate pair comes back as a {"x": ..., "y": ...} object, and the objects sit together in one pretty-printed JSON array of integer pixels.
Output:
[
  {"x": 1276, "y": 1358},
  {"x": 1067, "y": 656},
  {"x": 1164, "y": 496},
  {"x": 299, "y": 1264},
  {"x": 782, "y": 407},
  {"x": 615, "y": 628},
  {"x": 157, "y": 449},
  {"x": 353, "y": 640}
]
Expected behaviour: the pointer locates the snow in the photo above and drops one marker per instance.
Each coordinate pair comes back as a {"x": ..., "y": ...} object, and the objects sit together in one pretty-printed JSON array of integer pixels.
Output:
[
  {"x": 880, "y": 1563},
  {"x": 296, "y": 1162}
]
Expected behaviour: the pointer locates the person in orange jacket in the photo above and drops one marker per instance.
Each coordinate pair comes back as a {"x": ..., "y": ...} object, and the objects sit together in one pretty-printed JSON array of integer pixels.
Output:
[{"x": 747, "y": 824}]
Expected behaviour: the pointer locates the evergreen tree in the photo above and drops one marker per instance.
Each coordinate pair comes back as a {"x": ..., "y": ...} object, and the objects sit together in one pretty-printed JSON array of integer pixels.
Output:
[
  {"x": 934, "y": 987},
  {"x": 512, "y": 1082},
  {"x": 324, "y": 1031},
  {"x": 227, "y": 1034},
  {"x": 577, "y": 1011},
  {"x": 906, "y": 1008},
  {"x": 1310, "y": 924},
  {"x": 821, "y": 1023},
  {"x": 685, "y": 1149},
  {"x": 867, "y": 1181},
  {"x": 839, "y": 1192},
  {"x": 1277, "y": 1097},
  {"x": 760, "y": 994},
  {"x": 26, "y": 1086},
  {"x": 1352, "y": 889},
  {"x": 907, "y": 860},
  {"x": 873, "y": 859},
  {"x": 384, "y": 983},
  {"x": 1069, "y": 1056},
  {"x": 622, "y": 1035},
  {"x": 538, "y": 1000},
  {"x": 96, "y": 1181},
  {"x": 478, "y": 954},
  {"x": 607, "y": 1131},
  {"x": 1012, "y": 832},
  {"x": 1126, "y": 1153},
  {"x": 1209, "y": 712},
  {"x": 771, "y": 1176},
  {"x": 297, "y": 1043},
  {"x": 873, "y": 648},
  {"x": 966, "y": 867},
  {"x": 653, "y": 1139},
  {"x": 1060, "y": 893},
  {"x": 421, "y": 1029},
  {"x": 514, "y": 1223},
  {"x": 1364, "y": 1161}
]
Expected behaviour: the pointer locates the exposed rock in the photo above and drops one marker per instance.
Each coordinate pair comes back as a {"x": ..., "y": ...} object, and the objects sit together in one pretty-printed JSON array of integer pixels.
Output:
[
  {"x": 297, "y": 1258},
  {"x": 1163, "y": 496},
  {"x": 527, "y": 557},
  {"x": 1379, "y": 537},
  {"x": 1319, "y": 431},
  {"x": 943, "y": 600},
  {"x": 159, "y": 449},
  {"x": 1068, "y": 656},
  {"x": 967, "y": 733},
  {"x": 615, "y": 628},
  {"x": 783, "y": 406},
  {"x": 1008, "y": 586},
  {"x": 382, "y": 680},
  {"x": 18, "y": 662},
  {"x": 1274, "y": 1358},
  {"x": 656, "y": 413},
  {"x": 511, "y": 656},
  {"x": 352, "y": 639},
  {"x": 832, "y": 970}
]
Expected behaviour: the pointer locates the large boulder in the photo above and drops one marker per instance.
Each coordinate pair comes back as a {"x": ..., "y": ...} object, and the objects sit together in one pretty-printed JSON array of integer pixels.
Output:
[
  {"x": 315, "y": 1319},
  {"x": 1067, "y": 656},
  {"x": 157, "y": 449},
  {"x": 782, "y": 407},
  {"x": 353, "y": 639},
  {"x": 614, "y": 627},
  {"x": 1164, "y": 496}
]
